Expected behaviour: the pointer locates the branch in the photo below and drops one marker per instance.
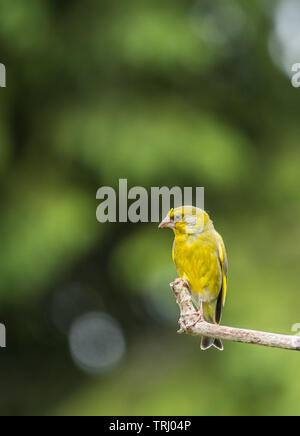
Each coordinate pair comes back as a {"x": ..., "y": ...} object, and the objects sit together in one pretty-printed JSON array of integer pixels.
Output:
[{"x": 202, "y": 328}]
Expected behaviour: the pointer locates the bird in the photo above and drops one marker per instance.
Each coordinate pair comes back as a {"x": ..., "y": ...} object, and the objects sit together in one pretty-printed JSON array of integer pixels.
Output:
[{"x": 200, "y": 257}]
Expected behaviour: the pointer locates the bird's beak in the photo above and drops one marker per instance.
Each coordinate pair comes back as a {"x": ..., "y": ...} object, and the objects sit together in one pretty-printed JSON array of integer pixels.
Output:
[{"x": 166, "y": 223}]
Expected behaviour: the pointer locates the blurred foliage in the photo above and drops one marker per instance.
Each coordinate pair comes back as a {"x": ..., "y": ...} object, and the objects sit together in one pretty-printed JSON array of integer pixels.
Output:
[
  {"x": 161, "y": 93},
  {"x": 41, "y": 232},
  {"x": 140, "y": 139}
]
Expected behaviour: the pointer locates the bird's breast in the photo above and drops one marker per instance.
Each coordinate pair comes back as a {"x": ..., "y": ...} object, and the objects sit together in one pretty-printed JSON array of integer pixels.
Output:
[{"x": 197, "y": 261}]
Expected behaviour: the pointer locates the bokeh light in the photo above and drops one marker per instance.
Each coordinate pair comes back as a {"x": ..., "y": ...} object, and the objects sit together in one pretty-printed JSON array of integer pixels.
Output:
[
  {"x": 97, "y": 342},
  {"x": 285, "y": 40}
]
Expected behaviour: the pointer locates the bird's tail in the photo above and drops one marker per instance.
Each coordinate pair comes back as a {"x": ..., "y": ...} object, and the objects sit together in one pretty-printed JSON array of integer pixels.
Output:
[
  {"x": 207, "y": 343},
  {"x": 209, "y": 311}
]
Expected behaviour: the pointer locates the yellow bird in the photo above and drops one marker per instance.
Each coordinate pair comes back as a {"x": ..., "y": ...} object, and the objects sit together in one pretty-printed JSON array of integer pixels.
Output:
[{"x": 200, "y": 257}]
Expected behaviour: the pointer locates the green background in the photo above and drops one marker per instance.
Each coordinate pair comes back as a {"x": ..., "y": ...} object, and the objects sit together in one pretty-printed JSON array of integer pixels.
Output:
[{"x": 159, "y": 92}]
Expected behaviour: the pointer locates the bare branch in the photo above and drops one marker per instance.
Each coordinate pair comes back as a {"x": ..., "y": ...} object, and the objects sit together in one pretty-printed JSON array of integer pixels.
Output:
[{"x": 202, "y": 328}]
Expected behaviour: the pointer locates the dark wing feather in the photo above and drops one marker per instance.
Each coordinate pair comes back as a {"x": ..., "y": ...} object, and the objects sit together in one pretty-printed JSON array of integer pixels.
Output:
[{"x": 223, "y": 290}]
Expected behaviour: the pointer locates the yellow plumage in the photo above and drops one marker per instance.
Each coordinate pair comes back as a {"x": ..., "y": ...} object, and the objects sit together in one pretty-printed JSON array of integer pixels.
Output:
[{"x": 200, "y": 257}]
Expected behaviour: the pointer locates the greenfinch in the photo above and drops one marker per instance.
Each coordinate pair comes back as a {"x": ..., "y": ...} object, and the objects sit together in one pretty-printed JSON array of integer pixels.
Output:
[{"x": 200, "y": 257}]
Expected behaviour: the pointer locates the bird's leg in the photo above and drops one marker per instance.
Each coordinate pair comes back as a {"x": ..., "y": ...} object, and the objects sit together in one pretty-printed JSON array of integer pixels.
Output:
[{"x": 199, "y": 314}]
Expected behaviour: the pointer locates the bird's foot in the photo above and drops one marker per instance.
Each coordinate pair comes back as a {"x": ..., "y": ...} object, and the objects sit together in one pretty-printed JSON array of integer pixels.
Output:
[
  {"x": 180, "y": 281},
  {"x": 199, "y": 316}
]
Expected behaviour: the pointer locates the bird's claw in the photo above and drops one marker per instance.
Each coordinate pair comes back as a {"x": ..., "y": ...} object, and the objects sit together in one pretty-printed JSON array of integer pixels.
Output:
[{"x": 199, "y": 319}]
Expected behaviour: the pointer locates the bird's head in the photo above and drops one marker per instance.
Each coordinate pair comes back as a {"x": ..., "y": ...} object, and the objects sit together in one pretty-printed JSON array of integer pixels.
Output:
[{"x": 187, "y": 220}]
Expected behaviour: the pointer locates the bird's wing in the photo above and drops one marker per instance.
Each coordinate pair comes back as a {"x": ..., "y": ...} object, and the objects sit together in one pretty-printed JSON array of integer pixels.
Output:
[
  {"x": 173, "y": 252},
  {"x": 224, "y": 266}
]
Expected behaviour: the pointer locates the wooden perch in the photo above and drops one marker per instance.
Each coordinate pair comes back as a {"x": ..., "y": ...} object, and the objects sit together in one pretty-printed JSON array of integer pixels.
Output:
[{"x": 202, "y": 328}]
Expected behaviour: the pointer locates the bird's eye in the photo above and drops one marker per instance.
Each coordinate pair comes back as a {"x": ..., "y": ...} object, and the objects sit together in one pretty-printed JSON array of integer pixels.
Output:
[{"x": 177, "y": 218}]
